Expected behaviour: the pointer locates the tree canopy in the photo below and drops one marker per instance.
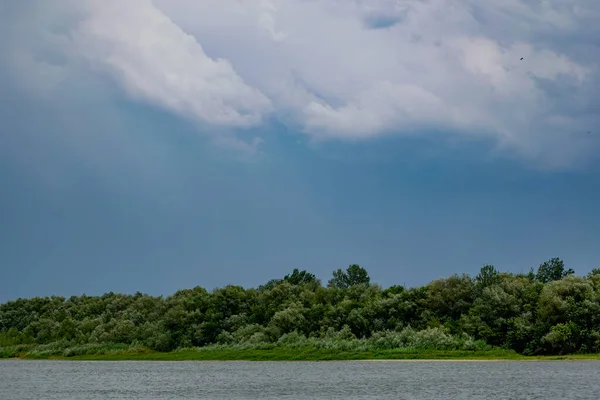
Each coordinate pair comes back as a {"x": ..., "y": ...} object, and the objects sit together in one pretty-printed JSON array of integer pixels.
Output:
[
  {"x": 299, "y": 277},
  {"x": 552, "y": 311},
  {"x": 552, "y": 270},
  {"x": 354, "y": 275}
]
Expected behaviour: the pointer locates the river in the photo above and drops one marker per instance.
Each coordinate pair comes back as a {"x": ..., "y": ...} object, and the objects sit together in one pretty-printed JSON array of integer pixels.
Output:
[{"x": 91, "y": 380}]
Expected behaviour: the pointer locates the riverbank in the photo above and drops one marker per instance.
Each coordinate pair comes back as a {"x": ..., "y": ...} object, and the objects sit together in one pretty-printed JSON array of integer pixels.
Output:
[{"x": 128, "y": 353}]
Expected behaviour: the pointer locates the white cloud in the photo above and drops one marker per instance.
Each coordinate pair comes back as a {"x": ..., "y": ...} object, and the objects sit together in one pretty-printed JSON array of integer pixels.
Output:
[
  {"x": 156, "y": 61},
  {"x": 150, "y": 57},
  {"x": 354, "y": 69}
]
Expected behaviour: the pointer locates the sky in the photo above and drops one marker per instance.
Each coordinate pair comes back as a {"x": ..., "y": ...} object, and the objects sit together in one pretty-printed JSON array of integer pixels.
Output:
[{"x": 158, "y": 145}]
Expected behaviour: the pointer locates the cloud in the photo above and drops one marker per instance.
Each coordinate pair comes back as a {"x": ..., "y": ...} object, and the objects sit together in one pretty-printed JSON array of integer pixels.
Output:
[
  {"x": 155, "y": 60},
  {"x": 152, "y": 59},
  {"x": 346, "y": 69}
]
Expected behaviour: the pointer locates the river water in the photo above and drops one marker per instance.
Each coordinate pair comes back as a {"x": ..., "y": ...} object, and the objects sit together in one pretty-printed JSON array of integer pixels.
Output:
[{"x": 91, "y": 380}]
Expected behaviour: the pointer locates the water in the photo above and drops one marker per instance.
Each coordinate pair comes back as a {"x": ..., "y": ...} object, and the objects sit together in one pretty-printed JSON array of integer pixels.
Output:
[{"x": 91, "y": 380}]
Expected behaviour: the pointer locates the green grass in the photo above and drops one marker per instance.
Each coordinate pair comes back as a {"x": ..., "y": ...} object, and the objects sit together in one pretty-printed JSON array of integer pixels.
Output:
[{"x": 125, "y": 352}]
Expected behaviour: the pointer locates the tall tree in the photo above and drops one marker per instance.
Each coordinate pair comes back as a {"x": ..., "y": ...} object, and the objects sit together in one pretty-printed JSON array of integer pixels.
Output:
[
  {"x": 354, "y": 275},
  {"x": 552, "y": 270},
  {"x": 488, "y": 275},
  {"x": 300, "y": 277}
]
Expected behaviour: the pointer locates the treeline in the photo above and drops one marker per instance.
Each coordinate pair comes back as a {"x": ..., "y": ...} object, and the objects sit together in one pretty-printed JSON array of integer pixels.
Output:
[{"x": 546, "y": 311}]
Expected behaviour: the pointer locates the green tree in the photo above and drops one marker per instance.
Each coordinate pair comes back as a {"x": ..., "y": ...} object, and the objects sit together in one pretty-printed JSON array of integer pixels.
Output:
[
  {"x": 300, "y": 277},
  {"x": 537, "y": 313},
  {"x": 552, "y": 270},
  {"x": 394, "y": 290},
  {"x": 354, "y": 275},
  {"x": 594, "y": 272},
  {"x": 562, "y": 338},
  {"x": 451, "y": 297},
  {"x": 488, "y": 276}
]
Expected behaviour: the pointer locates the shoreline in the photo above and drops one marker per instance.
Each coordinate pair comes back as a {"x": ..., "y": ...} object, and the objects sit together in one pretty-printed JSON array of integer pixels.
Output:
[
  {"x": 424, "y": 360},
  {"x": 293, "y": 355}
]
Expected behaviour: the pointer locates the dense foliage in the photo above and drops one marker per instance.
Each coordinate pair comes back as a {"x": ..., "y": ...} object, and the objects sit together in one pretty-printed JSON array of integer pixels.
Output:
[{"x": 550, "y": 311}]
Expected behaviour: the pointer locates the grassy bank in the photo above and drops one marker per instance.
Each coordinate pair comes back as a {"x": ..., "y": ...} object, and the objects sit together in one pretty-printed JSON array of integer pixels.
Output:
[{"x": 218, "y": 353}]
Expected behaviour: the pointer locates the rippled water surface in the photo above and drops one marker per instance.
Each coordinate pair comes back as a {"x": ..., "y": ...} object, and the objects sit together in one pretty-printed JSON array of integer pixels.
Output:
[{"x": 298, "y": 380}]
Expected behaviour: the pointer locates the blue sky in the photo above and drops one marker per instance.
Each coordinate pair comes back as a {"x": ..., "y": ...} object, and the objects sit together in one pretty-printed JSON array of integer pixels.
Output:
[{"x": 160, "y": 145}]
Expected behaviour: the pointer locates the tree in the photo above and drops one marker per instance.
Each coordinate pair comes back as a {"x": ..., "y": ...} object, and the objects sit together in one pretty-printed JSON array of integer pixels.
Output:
[
  {"x": 552, "y": 270},
  {"x": 593, "y": 272},
  {"x": 354, "y": 275},
  {"x": 394, "y": 290},
  {"x": 488, "y": 275},
  {"x": 545, "y": 311},
  {"x": 270, "y": 284},
  {"x": 300, "y": 277},
  {"x": 561, "y": 338},
  {"x": 451, "y": 297},
  {"x": 339, "y": 280}
]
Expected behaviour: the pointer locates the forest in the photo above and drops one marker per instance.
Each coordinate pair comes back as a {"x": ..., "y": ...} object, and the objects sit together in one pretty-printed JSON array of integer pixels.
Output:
[{"x": 549, "y": 310}]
